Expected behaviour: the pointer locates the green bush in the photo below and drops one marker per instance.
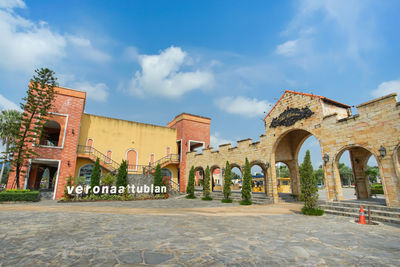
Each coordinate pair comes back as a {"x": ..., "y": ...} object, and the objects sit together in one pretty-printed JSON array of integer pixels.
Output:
[
  {"x": 377, "y": 191},
  {"x": 245, "y": 202},
  {"x": 122, "y": 175},
  {"x": 206, "y": 185},
  {"x": 19, "y": 195},
  {"x": 108, "y": 179},
  {"x": 190, "y": 185},
  {"x": 312, "y": 211},
  {"x": 227, "y": 183},
  {"x": 226, "y": 200},
  {"x": 207, "y": 198},
  {"x": 190, "y": 196}
]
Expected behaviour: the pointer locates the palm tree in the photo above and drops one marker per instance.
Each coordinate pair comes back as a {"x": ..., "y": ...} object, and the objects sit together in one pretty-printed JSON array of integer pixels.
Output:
[{"x": 10, "y": 121}]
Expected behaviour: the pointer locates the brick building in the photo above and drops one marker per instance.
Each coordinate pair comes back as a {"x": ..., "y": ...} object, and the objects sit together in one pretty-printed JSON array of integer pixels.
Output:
[{"x": 73, "y": 140}]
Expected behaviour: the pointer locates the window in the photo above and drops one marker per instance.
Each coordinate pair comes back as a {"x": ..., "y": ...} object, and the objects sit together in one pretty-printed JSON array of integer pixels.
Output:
[
  {"x": 132, "y": 158},
  {"x": 50, "y": 134},
  {"x": 86, "y": 171},
  {"x": 108, "y": 158},
  {"x": 89, "y": 145},
  {"x": 151, "y": 159},
  {"x": 168, "y": 151}
]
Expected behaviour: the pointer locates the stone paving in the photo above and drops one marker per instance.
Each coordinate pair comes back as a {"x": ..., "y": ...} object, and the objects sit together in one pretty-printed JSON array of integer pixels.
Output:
[{"x": 181, "y": 232}]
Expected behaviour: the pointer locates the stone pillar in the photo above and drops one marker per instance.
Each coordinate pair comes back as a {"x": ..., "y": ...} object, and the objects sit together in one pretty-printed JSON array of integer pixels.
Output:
[
  {"x": 273, "y": 184},
  {"x": 332, "y": 179},
  {"x": 390, "y": 181},
  {"x": 295, "y": 185},
  {"x": 359, "y": 158}
]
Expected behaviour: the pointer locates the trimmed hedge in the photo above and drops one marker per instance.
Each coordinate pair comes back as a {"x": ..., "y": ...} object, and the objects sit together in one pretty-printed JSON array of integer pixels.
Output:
[
  {"x": 312, "y": 211},
  {"x": 19, "y": 195}
]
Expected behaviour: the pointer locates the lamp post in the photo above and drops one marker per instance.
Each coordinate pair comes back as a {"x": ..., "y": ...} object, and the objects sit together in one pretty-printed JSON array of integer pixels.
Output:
[
  {"x": 382, "y": 151},
  {"x": 325, "y": 158}
]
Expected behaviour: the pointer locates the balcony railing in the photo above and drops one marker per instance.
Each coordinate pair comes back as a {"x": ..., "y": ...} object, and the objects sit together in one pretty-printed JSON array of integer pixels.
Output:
[{"x": 93, "y": 154}]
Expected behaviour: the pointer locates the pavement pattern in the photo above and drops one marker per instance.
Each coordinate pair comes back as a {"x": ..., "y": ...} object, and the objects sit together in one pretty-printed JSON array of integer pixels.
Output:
[{"x": 182, "y": 232}]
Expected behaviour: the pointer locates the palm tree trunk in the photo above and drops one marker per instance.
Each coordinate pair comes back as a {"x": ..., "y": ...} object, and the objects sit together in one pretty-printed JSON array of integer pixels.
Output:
[{"x": 5, "y": 160}]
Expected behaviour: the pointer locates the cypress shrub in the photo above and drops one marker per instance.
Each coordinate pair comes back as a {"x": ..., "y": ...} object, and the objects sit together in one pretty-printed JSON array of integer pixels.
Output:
[
  {"x": 309, "y": 187},
  {"x": 190, "y": 185},
  {"x": 246, "y": 187},
  {"x": 227, "y": 184},
  {"x": 206, "y": 185},
  {"x": 158, "y": 179},
  {"x": 95, "y": 176},
  {"x": 122, "y": 175}
]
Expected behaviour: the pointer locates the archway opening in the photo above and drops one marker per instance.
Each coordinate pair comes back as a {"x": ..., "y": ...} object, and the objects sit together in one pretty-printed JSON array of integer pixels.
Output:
[
  {"x": 360, "y": 176},
  {"x": 283, "y": 178},
  {"x": 237, "y": 178},
  {"x": 290, "y": 150},
  {"x": 258, "y": 175},
  {"x": 198, "y": 178},
  {"x": 216, "y": 178}
]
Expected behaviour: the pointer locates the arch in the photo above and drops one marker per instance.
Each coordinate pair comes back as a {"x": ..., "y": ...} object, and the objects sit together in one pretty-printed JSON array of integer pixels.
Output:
[
  {"x": 396, "y": 160},
  {"x": 89, "y": 144},
  {"x": 132, "y": 158},
  {"x": 108, "y": 158},
  {"x": 216, "y": 178},
  {"x": 199, "y": 174},
  {"x": 50, "y": 135},
  {"x": 152, "y": 159},
  {"x": 286, "y": 150},
  {"x": 359, "y": 157},
  {"x": 259, "y": 183}
]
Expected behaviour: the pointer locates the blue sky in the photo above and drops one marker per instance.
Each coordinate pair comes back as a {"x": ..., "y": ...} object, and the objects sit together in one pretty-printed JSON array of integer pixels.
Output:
[{"x": 148, "y": 61}]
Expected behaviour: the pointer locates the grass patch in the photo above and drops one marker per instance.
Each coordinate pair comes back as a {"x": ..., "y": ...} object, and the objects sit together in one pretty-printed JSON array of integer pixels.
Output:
[
  {"x": 224, "y": 200},
  {"x": 312, "y": 212},
  {"x": 190, "y": 196},
  {"x": 245, "y": 202},
  {"x": 207, "y": 198}
]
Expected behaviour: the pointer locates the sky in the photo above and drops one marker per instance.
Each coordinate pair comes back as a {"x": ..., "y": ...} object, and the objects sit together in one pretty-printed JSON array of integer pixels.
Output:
[{"x": 148, "y": 61}]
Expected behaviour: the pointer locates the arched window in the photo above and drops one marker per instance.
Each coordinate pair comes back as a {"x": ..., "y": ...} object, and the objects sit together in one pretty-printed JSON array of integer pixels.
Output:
[
  {"x": 89, "y": 145},
  {"x": 86, "y": 171},
  {"x": 151, "y": 161},
  {"x": 50, "y": 134},
  {"x": 166, "y": 173},
  {"x": 132, "y": 159},
  {"x": 168, "y": 151},
  {"x": 108, "y": 158}
]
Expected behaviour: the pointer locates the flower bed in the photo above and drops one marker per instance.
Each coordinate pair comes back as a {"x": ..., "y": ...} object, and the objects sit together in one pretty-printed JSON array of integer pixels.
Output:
[{"x": 107, "y": 197}]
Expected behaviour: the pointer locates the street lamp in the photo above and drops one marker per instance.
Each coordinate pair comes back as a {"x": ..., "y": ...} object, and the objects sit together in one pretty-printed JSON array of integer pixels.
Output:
[
  {"x": 326, "y": 158},
  {"x": 267, "y": 165},
  {"x": 382, "y": 151}
]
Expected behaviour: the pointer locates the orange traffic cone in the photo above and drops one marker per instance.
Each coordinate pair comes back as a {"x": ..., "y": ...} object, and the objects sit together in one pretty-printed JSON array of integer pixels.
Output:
[{"x": 361, "y": 218}]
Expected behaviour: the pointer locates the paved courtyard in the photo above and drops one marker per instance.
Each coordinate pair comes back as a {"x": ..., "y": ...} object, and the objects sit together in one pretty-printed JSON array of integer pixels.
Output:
[{"x": 181, "y": 232}]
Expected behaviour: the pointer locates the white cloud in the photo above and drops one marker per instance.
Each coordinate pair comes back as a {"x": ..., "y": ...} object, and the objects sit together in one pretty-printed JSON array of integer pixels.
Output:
[
  {"x": 7, "y": 104},
  {"x": 243, "y": 106},
  {"x": 85, "y": 49},
  {"x": 288, "y": 48},
  {"x": 10, "y": 4},
  {"x": 131, "y": 53},
  {"x": 97, "y": 91},
  {"x": 386, "y": 88},
  {"x": 216, "y": 140},
  {"x": 26, "y": 44},
  {"x": 163, "y": 75}
]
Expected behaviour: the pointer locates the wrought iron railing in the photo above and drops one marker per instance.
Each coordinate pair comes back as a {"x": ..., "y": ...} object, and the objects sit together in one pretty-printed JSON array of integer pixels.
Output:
[
  {"x": 137, "y": 169},
  {"x": 171, "y": 158},
  {"x": 94, "y": 154}
]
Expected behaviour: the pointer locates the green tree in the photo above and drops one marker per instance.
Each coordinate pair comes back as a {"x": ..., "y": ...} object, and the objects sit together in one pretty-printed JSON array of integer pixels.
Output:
[
  {"x": 319, "y": 175},
  {"x": 206, "y": 185},
  {"x": 227, "y": 183},
  {"x": 158, "y": 179},
  {"x": 346, "y": 174},
  {"x": 38, "y": 103},
  {"x": 246, "y": 188},
  {"x": 373, "y": 174},
  {"x": 122, "y": 175},
  {"x": 190, "y": 185},
  {"x": 10, "y": 123},
  {"x": 108, "y": 179},
  {"x": 4, "y": 178},
  {"x": 309, "y": 189},
  {"x": 95, "y": 176},
  {"x": 282, "y": 171}
]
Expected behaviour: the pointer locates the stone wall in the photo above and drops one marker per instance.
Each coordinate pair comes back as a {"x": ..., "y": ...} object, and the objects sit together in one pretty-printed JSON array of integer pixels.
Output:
[{"x": 376, "y": 125}]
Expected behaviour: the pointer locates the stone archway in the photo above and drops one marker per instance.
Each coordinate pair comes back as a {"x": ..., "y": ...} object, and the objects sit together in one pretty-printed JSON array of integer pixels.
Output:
[
  {"x": 265, "y": 181},
  {"x": 216, "y": 178},
  {"x": 198, "y": 177},
  {"x": 286, "y": 150},
  {"x": 359, "y": 156}
]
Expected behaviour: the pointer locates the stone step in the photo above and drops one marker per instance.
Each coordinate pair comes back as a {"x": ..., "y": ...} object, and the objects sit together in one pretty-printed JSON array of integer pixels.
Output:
[
  {"x": 355, "y": 216},
  {"x": 382, "y": 213},
  {"x": 358, "y": 205}
]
